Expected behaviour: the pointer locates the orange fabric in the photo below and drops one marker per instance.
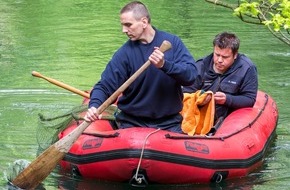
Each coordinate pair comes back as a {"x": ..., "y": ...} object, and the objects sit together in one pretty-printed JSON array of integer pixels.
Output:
[{"x": 197, "y": 119}]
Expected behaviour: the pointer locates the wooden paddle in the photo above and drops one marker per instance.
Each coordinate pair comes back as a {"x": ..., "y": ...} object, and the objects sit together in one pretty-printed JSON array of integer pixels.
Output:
[
  {"x": 41, "y": 167},
  {"x": 60, "y": 84}
]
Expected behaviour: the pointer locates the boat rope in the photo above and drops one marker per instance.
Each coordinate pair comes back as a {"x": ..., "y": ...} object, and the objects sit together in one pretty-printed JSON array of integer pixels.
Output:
[{"x": 139, "y": 180}]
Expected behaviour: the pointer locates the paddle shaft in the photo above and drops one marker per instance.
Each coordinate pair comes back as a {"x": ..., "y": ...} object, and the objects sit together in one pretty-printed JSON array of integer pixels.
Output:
[
  {"x": 62, "y": 85},
  {"x": 41, "y": 167}
]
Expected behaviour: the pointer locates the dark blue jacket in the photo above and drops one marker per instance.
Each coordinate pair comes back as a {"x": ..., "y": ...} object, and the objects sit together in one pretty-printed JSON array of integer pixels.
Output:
[
  {"x": 157, "y": 92},
  {"x": 239, "y": 83}
]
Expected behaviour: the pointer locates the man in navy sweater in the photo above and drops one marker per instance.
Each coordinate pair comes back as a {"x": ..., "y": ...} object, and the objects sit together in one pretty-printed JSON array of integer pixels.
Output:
[
  {"x": 155, "y": 98},
  {"x": 231, "y": 76}
]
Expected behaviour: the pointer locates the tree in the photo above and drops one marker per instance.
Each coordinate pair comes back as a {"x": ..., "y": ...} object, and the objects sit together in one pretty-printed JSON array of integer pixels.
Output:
[{"x": 274, "y": 14}]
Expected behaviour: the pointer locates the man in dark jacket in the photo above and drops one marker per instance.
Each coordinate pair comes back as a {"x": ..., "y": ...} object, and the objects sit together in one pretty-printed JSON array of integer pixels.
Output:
[
  {"x": 154, "y": 99},
  {"x": 231, "y": 76}
]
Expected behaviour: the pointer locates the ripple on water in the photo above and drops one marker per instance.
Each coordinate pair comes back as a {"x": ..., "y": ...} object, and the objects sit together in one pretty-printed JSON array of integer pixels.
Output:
[
  {"x": 284, "y": 54},
  {"x": 31, "y": 92}
]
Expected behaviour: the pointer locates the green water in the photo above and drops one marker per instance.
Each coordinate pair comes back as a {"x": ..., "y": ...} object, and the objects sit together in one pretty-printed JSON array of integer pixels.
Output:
[{"x": 72, "y": 41}]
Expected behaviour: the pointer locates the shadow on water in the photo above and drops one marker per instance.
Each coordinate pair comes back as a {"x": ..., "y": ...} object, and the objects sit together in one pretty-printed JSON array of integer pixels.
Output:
[{"x": 66, "y": 183}]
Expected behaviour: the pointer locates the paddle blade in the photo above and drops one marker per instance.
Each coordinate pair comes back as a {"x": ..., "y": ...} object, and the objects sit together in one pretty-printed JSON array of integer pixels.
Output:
[
  {"x": 41, "y": 167},
  {"x": 44, "y": 164}
]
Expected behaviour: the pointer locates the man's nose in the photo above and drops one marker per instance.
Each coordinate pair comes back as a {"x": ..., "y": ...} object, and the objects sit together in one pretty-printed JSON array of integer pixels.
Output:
[
  {"x": 124, "y": 29},
  {"x": 220, "y": 59}
]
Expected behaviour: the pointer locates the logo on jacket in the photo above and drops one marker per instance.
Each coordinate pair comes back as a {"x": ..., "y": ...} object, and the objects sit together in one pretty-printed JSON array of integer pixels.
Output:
[{"x": 232, "y": 82}]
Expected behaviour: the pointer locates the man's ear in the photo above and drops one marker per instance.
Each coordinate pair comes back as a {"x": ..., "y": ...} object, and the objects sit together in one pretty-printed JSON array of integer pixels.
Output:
[
  {"x": 236, "y": 55},
  {"x": 144, "y": 22}
]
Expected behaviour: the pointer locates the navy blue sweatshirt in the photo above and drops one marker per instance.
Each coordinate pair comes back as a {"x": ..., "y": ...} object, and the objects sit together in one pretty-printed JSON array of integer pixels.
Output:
[{"x": 156, "y": 93}]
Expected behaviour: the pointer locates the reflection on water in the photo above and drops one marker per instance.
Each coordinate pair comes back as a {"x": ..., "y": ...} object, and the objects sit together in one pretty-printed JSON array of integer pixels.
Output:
[
  {"x": 34, "y": 92},
  {"x": 72, "y": 41}
]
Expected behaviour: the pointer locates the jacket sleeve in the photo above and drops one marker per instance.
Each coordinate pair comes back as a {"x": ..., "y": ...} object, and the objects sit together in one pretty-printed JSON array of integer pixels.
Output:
[
  {"x": 248, "y": 91},
  {"x": 112, "y": 77},
  {"x": 197, "y": 85},
  {"x": 182, "y": 68}
]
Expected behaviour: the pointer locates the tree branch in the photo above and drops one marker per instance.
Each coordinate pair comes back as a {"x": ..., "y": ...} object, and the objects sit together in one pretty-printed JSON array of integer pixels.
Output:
[
  {"x": 223, "y": 4},
  {"x": 265, "y": 9}
]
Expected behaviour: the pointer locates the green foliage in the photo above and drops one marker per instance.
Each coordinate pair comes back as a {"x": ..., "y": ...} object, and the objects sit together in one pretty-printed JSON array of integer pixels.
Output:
[
  {"x": 247, "y": 8},
  {"x": 275, "y": 14},
  {"x": 277, "y": 22}
]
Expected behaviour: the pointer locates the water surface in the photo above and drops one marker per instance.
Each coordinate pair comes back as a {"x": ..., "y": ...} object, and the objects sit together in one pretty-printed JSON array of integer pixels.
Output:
[{"x": 72, "y": 41}]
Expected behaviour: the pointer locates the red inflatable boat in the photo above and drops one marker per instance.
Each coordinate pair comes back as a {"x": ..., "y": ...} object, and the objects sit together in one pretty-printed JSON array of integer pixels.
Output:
[{"x": 145, "y": 155}]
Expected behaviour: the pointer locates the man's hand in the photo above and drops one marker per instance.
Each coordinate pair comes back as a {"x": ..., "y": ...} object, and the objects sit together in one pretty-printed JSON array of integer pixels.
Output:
[
  {"x": 157, "y": 58},
  {"x": 92, "y": 115},
  {"x": 206, "y": 100},
  {"x": 220, "y": 98}
]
